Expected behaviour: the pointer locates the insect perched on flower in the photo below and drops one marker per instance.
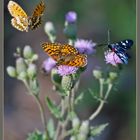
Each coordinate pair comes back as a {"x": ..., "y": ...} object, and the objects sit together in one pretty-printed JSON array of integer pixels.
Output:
[
  {"x": 65, "y": 54},
  {"x": 20, "y": 19},
  {"x": 120, "y": 48}
]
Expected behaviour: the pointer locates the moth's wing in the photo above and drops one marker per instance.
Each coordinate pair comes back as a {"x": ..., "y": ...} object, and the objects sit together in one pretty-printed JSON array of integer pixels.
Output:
[
  {"x": 53, "y": 50},
  {"x": 79, "y": 60},
  {"x": 39, "y": 9},
  {"x": 122, "y": 55},
  {"x": 15, "y": 10},
  {"x": 126, "y": 44},
  {"x": 20, "y": 23}
]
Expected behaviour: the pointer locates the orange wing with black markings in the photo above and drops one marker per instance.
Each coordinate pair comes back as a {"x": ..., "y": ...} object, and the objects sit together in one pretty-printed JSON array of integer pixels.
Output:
[{"x": 65, "y": 54}]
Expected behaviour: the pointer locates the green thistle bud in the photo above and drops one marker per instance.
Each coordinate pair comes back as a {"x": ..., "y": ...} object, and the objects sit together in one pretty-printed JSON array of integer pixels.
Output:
[
  {"x": 22, "y": 76},
  {"x": 50, "y": 31},
  {"x": 84, "y": 128},
  {"x": 20, "y": 65},
  {"x": 81, "y": 137},
  {"x": 27, "y": 52},
  {"x": 11, "y": 71},
  {"x": 67, "y": 83},
  {"x": 76, "y": 123},
  {"x": 34, "y": 57},
  {"x": 70, "y": 31},
  {"x": 97, "y": 74},
  {"x": 72, "y": 138},
  {"x": 113, "y": 75},
  {"x": 32, "y": 70}
]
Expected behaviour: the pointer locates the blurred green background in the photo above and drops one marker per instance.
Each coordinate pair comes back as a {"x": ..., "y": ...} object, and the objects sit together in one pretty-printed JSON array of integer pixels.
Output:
[{"x": 95, "y": 17}]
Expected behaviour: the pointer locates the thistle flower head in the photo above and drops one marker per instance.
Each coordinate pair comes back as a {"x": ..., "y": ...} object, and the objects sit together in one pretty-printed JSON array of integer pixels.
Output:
[
  {"x": 48, "y": 65},
  {"x": 64, "y": 70},
  {"x": 112, "y": 58},
  {"x": 71, "y": 17},
  {"x": 85, "y": 46}
]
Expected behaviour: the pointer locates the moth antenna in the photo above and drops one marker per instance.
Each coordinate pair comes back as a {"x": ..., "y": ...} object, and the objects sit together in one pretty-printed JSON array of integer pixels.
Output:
[{"x": 108, "y": 36}]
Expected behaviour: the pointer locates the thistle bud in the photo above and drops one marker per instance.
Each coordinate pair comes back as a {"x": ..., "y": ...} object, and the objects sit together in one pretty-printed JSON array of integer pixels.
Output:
[
  {"x": 27, "y": 52},
  {"x": 81, "y": 136},
  {"x": 72, "y": 138},
  {"x": 75, "y": 123},
  {"x": 50, "y": 31},
  {"x": 20, "y": 65},
  {"x": 34, "y": 57},
  {"x": 70, "y": 31},
  {"x": 97, "y": 74},
  {"x": 11, "y": 71},
  {"x": 32, "y": 70},
  {"x": 22, "y": 76},
  {"x": 84, "y": 128},
  {"x": 113, "y": 75},
  {"x": 67, "y": 83}
]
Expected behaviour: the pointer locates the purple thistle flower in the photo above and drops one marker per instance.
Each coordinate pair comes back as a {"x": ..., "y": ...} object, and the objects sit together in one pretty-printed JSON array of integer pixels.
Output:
[
  {"x": 112, "y": 58},
  {"x": 85, "y": 46},
  {"x": 48, "y": 64},
  {"x": 71, "y": 17},
  {"x": 66, "y": 70}
]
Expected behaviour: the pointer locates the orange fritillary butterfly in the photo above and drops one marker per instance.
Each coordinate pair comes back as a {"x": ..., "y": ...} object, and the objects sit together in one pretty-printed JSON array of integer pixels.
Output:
[
  {"x": 65, "y": 54},
  {"x": 20, "y": 19}
]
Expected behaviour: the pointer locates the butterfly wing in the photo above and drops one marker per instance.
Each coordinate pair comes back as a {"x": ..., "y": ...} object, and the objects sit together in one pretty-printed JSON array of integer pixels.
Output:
[
  {"x": 79, "y": 60},
  {"x": 20, "y": 18},
  {"x": 52, "y": 49},
  {"x": 35, "y": 19},
  {"x": 39, "y": 9},
  {"x": 15, "y": 10},
  {"x": 20, "y": 24},
  {"x": 58, "y": 51}
]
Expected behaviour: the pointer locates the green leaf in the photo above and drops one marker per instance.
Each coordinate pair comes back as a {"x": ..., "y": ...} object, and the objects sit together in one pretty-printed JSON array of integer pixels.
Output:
[
  {"x": 97, "y": 130},
  {"x": 79, "y": 98},
  {"x": 51, "y": 129},
  {"x": 36, "y": 135},
  {"x": 53, "y": 108}
]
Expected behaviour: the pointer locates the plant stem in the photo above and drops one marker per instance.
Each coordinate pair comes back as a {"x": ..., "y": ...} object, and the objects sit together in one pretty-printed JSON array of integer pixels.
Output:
[
  {"x": 42, "y": 112},
  {"x": 43, "y": 116},
  {"x": 102, "y": 102},
  {"x": 59, "y": 125}
]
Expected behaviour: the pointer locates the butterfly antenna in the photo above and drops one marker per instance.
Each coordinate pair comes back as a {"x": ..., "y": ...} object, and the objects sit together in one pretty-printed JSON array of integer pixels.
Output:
[{"x": 108, "y": 36}]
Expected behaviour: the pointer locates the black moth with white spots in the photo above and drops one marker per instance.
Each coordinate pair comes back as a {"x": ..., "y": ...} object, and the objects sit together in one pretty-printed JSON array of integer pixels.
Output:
[{"x": 120, "y": 49}]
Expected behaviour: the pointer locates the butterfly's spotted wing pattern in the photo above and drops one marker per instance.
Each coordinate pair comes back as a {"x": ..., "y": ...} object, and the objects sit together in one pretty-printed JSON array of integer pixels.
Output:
[
  {"x": 35, "y": 19},
  {"x": 15, "y": 10},
  {"x": 20, "y": 23},
  {"x": 65, "y": 54},
  {"x": 120, "y": 49},
  {"x": 20, "y": 19},
  {"x": 39, "y": 9}
]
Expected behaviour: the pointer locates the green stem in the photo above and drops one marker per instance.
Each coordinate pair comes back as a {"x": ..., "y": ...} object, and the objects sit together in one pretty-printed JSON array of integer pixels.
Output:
[
  {"x": 101, "y": 87},
  {"x": 43, "y": 116},
  {"x": 42, "y": 112},
  {"x": 59, "y": 125},
  {"x": 102, "y": 102}
]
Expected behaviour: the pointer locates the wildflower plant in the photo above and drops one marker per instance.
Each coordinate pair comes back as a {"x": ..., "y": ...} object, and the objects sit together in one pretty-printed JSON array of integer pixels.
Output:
[{"x": 65, "y": 81}]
